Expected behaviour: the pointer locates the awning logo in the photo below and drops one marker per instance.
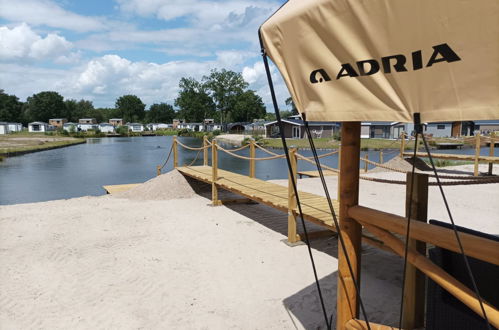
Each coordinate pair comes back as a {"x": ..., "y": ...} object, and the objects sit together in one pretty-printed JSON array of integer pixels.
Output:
[{"x": 389, "y": 64}]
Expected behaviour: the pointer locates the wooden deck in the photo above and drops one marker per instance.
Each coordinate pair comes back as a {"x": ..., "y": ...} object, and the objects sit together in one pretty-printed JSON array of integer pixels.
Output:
[
  {"x": 315, "y": 208},
  {"x": 117, "y": 188},
  {"x": 471, "y": 158}
]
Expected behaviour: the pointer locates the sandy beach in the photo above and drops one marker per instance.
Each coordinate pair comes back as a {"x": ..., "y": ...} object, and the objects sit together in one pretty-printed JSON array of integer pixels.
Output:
[{"x": 152, "y": 260}]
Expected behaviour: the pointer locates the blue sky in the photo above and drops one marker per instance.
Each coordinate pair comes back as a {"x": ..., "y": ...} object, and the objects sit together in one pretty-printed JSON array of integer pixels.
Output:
[{"x": 101, "y": 49}]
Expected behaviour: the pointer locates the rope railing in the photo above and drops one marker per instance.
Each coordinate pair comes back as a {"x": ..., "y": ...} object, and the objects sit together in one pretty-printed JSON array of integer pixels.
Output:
[
  {"x": 249, "y": 158},
  {"x": 320, "y": 156},
  {"x": 265, "y": 150},
  {"x": 306, "y": 159},
  {"x": 192, "y": 148}
]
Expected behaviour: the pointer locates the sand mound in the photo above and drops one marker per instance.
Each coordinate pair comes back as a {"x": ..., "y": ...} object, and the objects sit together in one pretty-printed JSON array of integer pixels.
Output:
[
  {"x": 403, "y": 165},
  {"x": 171, "y": 185}
]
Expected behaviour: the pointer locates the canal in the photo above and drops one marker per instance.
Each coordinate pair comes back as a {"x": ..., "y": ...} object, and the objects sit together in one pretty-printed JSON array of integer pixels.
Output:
[{"x": 83, "y": 169}]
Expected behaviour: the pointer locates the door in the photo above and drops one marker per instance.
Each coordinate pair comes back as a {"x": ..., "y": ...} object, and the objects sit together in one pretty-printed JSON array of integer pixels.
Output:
[{"x": 296, "y": 132}]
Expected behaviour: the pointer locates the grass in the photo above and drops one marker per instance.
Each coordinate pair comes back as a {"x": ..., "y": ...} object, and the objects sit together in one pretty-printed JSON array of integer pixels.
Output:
[
  {"x": 328, "y": 143},
  {"x": 10, "y": 146},
  {"x": 447, "y": 162}
]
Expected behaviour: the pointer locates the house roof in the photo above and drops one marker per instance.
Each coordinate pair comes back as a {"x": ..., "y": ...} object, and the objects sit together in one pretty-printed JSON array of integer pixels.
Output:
[
  {"x": 38, "y": 123},
  {"x": 486, "y": 122}
]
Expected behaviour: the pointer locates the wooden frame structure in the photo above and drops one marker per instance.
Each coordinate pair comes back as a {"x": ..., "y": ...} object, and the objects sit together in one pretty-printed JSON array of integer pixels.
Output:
[{"x": 383, "y": 225}]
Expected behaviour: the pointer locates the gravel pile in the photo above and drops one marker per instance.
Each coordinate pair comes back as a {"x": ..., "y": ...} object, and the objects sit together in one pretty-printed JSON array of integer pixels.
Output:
[
  {"x": 403, "y": 165},
  {"x": 171, "y": 185}
]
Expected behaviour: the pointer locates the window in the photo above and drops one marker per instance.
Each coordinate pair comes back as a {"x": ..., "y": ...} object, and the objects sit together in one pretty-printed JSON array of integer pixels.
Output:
[{"x": 440, "y": 126}]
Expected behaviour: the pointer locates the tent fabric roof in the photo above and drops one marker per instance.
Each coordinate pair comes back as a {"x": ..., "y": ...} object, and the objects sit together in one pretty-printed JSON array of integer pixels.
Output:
[{"x": 384, "y": 60}]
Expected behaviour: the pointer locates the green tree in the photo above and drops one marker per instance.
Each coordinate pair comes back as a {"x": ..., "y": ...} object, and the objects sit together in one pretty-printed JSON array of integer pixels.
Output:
[
  {"x": 193, "y": 101},
  {"x": 291, "y": 104},
  {"x": 246, "y": 107},
  {"x": 130, "y": 108},
  {"x": 10, "y": 108},
  {"x": 160, "y": 113},
  {"x": 76, "y": 110},
  {"x": 223, "y": 86},
  {"x": 45, "y": 105}
]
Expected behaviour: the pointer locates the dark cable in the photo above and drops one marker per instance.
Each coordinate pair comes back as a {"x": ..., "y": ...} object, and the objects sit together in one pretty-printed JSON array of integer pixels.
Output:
[
  {"x": 419, "y": 130},
  {"x": 295, "y": 189},
  {"x": 335, "y": 219},
  {"x": 458, "y": 239}
]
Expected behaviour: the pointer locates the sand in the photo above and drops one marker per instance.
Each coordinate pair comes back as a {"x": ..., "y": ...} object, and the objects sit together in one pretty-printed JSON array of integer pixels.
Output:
[{"x": 125, "y": 263}]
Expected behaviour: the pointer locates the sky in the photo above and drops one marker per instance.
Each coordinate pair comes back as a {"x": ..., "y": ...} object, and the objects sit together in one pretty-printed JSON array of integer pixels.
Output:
[{"x": 99, "y": 50}]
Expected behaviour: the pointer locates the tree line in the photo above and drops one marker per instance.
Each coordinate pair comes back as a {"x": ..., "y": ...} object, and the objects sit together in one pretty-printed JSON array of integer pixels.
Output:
[{"x": 223, "y": 95}]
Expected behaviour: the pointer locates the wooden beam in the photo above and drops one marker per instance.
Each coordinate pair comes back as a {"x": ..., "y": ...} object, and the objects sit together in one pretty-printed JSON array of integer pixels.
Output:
[
  {"x": 366, "y": 158},
  {"x": 402, "y": 145},
  {"x": 205, "y": 150},
  {"x": 252, "y": 160},
  {"x": 477, "y": 153},
  {"x": 442, "y": 278},
  {"x": 214, "y": 174},
  {"x": 381, "y": 156},
  {"x": 474, "y": 246},
  {"x": 414, "y": 292},
  {"x": 347, "y": 304},
  {"x": 491, "y": 151},
  {"x": 158, "y": 170},
  {"x": 355, "y": 324},
  {"x": 292, "y": 232},
  {"x": 175, "y": 152}
]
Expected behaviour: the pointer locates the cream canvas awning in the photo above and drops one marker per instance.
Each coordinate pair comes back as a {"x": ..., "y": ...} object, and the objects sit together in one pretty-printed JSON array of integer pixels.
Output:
[{"x": 384, "y": 60}]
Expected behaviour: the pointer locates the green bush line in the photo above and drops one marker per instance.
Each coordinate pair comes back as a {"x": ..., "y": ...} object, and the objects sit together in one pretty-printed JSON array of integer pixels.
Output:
[{"x": 10, "y": 152}]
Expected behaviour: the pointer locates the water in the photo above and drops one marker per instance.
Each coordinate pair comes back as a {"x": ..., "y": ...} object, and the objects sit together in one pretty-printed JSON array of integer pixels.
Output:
[{"x": 83, "y": 169}]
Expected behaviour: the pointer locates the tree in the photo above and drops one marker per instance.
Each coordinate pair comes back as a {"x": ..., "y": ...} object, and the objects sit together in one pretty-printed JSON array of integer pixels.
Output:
[
  {"x": 247, "y": 106},
  {"x": 130, "y": 108},
  {"x": 160, "y": 113},
  {"x": 291, "y": 104},
  {"x": 45, "y": 105},
  {"x": 76, "y": 110},
  {"x": 10, "y": 108},
  {"x": 193, "y": 101},
  {"x": 223, "y": 86}
]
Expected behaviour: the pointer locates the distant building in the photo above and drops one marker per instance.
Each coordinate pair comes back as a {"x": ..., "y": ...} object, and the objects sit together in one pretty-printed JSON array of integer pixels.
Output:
[
  {"x": 87, "y": 127},
  {"x": 70, "y": 127},
  {"x": 58, "y": 122},
  {"x": 439, "y": 129},
  {"x": 156, "y": 126},
  {"x": 177, "y": 123},
  {"x": 38, "y": 126},
  {"x": 106, "y": 128},
  {"x": 295, "y": 128},
  {"x": 116, "y": 121},
  {"x": 4, "y": 128},
  {"x": 135, "y": 127},
  {"x": 487, "y": 126},
  {"x": 15, "y": 127},
  {"x": 87, "y": 121},
  {"x": 237, "y": 128}
]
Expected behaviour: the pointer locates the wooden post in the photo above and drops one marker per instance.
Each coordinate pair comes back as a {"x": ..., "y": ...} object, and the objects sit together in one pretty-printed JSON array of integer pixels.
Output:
[
  {"x": 175, "y": 152},
  {"x": 414, "y": 292},
  {"x": 402, "y": 145},
  {"x": 205, "y": 151},
  {"x": 252, "y": 160},
  {"x": 339, "y": 174},
  {"x": 292, "y": 233},
  {"x": 347, "y": 304},
  {"x": 214, "y": 174},
  {"x": 491, "y": 151},
  {"x": 477, "y": 152},
  {"x": 158, "y": 170},
  {"x": 381, "y": 156},
  {"x": 366, "y": 158}
]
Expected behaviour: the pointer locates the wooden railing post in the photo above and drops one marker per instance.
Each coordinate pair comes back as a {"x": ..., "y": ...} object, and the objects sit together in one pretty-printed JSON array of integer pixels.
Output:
[
  {"x": 414, "y": 292},
  {"x": 402, "y": 144},
  {"x": 214, "y": 174},
  {"x": 477, "y": 153},
  {"x": 158, "y": 170},
  {"x": 292, "y": 232},
  {"x": 252, "y": 160},
  {"x": 175, "y": 152},
  {"x": 366, "y": 158},
  {"x": 205, "y": 151},
  {"x": 381, "y": 156},
  {"x": 347, "y": 303},
  {"x": 491, "y": 151},
  {"x": 339, "y": 174}
]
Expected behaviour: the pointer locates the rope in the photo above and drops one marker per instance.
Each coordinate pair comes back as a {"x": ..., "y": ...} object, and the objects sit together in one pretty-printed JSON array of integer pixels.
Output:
[
  {"x": 192, "y": 148},
  {"x": 240, "y": 148},
  {"x": 250, "y": 158},
  {"x": 465, "y": 258},
  {"x": 194, "y": 160},
  {"x": 167, "y": 158},
  {"x": 321, "y": 165},
  {"x": 321, "y": 156},
  {"x": 265, "y": 150}
]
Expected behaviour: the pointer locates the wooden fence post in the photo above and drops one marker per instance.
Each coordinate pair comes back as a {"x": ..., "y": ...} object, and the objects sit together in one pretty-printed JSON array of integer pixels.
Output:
[
  {"x": 414, "y": 292},
  {"x": 381, "y": 156},
  {"x": 158, "y": 170},
  {"x": 366, "y": 158},
  {"x": 175, "y": 152},
  {"x": 292, "y": 232},
  {"x": 347, "y": 304},
  {"x": 477, "y": 153},
  {"x": 491, "y": 151},
  {"x": 214, "y": 174},
  {"x": 402, "y": 144},
  {"x": 205, "y": 151},
  {"x": 252, "y": 160}
]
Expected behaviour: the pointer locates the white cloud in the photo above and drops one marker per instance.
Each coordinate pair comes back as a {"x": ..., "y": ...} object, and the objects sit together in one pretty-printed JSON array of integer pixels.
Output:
[
  {"x": 46, "y": 12},
  {"x": 21, "y": 43}
]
